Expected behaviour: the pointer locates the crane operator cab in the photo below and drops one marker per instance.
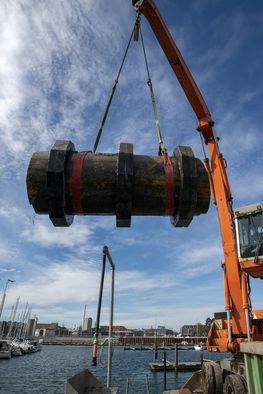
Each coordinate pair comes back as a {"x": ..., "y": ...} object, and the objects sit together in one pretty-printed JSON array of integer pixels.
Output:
[{"x": 249, "y": 230}]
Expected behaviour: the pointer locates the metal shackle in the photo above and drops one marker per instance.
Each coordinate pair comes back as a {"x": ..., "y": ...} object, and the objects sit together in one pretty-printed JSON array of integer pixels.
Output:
[{"x": 63, "y": 183}]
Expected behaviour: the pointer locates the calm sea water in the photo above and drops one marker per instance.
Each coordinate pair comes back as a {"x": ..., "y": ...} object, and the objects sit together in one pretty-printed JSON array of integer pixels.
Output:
[{"x": 48, "y": 370}]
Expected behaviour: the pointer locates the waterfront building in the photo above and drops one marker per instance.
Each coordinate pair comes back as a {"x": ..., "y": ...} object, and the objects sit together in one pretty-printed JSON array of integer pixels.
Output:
[
  {"x": 188, "y": 330},
  {"x": 160, "y": 331},
  {"x": 149, "y": 332},
  {"x": 193, "y": 330},
  {"x": 31, "y": 327},
  {"x": 87, "y": 329},
  {"x": 137, "y": 333},
  {"x": 50, "y": 330},
  {"x": 46, "y": 329},
  {"x": 117, "y": 331},
  {"x": 13, "y": 329},
  {"x": 18, "y": 329},
  {"x": 87, "y": 323},
  {"x": 76, "y": 331}
]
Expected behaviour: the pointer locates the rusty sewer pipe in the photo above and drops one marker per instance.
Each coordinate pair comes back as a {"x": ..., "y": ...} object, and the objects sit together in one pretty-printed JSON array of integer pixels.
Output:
[{"x": 63, "y": 183}]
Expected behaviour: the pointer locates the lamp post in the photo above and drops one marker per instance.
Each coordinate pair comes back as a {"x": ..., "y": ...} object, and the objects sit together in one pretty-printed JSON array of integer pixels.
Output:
[{"x": 4, "y": 296}]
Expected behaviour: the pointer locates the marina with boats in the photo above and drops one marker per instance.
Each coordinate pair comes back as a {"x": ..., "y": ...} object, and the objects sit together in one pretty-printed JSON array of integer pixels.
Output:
[
  {"x": 17, "y": 334},
  {"x": 50, "y": 368},
  {"x": 17, "y": 347}
]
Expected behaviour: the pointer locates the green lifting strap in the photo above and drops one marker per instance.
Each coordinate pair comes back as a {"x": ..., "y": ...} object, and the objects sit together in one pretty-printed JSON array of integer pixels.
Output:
[
  {"x": 162, "y": 149},
  {"x": 114, "y": 88}
]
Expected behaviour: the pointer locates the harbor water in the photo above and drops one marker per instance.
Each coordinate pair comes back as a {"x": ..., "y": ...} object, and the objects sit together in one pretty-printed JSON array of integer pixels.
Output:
[{"x": 47, "y": 371}]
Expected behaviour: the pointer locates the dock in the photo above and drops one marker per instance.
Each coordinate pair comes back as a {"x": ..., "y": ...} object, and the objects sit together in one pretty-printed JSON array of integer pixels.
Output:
[
  {"x": 171, "y": 366},
  {"x": 160, "y": 348},
  {"x": 142, "y": 348}
]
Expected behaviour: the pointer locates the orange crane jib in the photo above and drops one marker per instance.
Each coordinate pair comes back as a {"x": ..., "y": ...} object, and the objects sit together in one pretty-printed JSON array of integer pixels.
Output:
[{"x": 237, "y": 324}]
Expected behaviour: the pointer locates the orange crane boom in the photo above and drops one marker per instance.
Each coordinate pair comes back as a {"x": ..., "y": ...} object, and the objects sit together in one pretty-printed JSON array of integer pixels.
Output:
[{"x": 225, "y": 334}]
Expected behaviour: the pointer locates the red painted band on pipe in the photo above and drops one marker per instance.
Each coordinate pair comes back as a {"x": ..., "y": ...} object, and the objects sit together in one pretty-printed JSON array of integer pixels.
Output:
[
  {"x": 76, "y": 182},
  {"x": 168, "y": 169}
]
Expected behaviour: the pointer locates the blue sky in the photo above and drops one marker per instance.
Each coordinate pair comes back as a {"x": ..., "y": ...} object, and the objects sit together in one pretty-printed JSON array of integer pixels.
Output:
[{"x": 58, "y": 63}]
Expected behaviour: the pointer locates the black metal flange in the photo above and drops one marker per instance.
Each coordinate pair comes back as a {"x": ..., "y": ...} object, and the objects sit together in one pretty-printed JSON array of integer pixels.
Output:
[
  {"x": 188, "y": 186},
  {"x": 124, "y": 185},
  {"x": 55, "y": 190}
]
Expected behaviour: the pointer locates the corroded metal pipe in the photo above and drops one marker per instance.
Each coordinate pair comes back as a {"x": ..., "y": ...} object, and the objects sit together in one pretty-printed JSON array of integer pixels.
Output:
[{"x": 64, "y": 183}]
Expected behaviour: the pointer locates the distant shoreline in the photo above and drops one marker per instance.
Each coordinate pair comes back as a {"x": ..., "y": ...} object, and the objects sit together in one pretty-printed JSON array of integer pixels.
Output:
[{"x": 130, "y": 341}]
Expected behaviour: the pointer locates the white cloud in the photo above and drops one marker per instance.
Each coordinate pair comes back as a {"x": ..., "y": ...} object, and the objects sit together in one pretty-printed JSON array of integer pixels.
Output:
[
  {"x": 75, "y": 282},
  {"x": 202, "y": 253},
  {"x": 10, "y": 75},
  {"x": 58, "y": 283},
  {"x": 7, "y": 253},
  {"x": 62, "y": 315},
  {"x": 42, "y": 56},
  {"x": 46, "y": 235},
  {"x": 7, "y": 269},
  {"x": 141, "y": 281}
]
